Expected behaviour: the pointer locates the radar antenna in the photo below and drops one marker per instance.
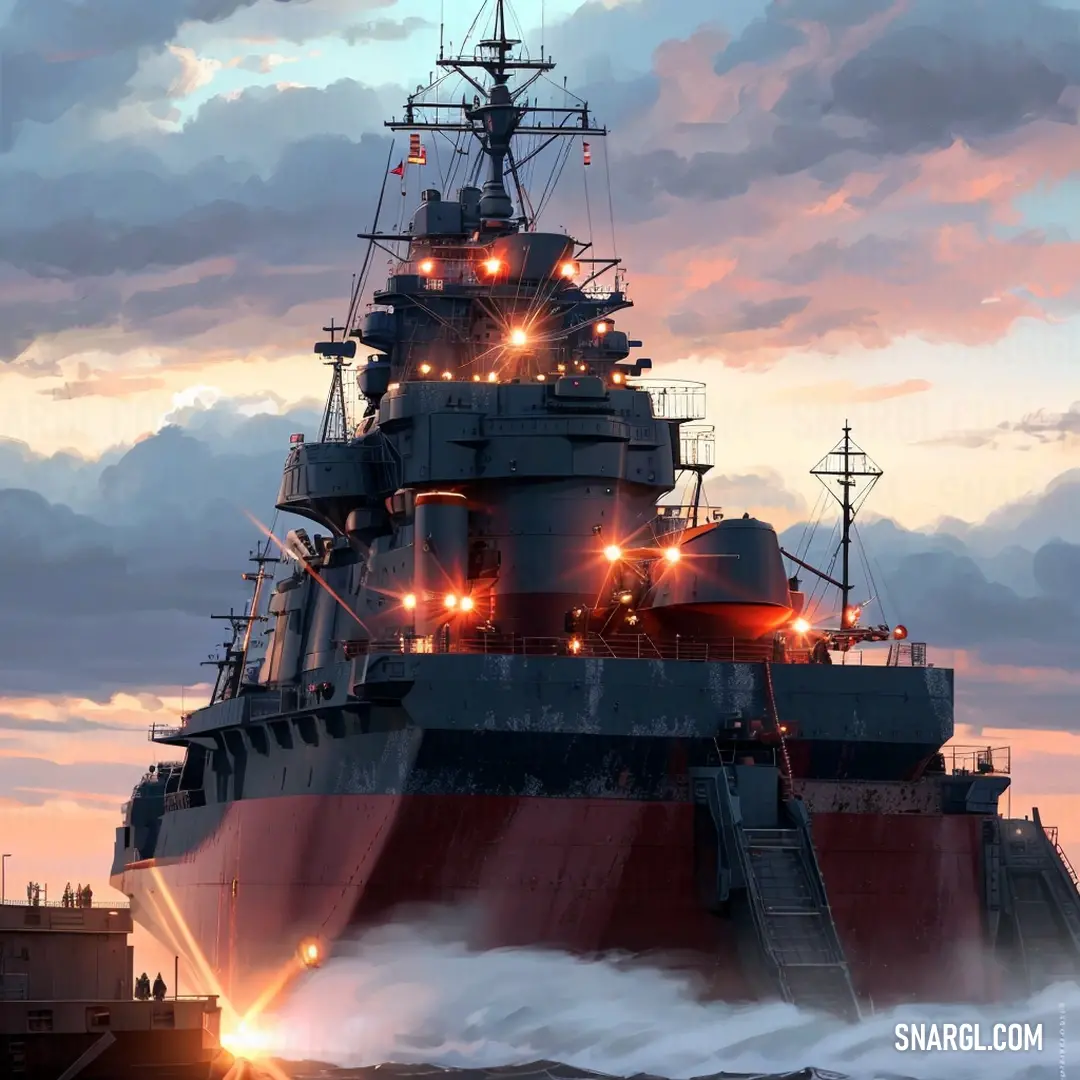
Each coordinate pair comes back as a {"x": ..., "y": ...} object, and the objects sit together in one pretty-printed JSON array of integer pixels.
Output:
[
  {"x": 847, "y": 463},
  {"x": 335, "y": 422}
]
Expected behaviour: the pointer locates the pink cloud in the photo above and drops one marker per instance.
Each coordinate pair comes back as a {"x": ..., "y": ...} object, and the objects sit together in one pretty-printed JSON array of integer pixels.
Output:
[{"x": 843, "y": 392}]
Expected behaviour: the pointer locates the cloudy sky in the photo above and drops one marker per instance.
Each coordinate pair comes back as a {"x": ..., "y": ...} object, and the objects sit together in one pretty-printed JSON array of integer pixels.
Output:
[{"x": 827, "y": 209}]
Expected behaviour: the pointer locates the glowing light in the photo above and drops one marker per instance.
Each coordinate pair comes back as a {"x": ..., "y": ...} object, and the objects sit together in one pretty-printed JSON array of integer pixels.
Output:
[
  {"x": 476, "y": 378},
  {"x": 427, "y": 266},
  {"x": 617, "y": 377},
  {"x": 518, "y": 337},
  {"x": 800, "y": 626},
  {"x": 310, "y": 953},
  {"x": 626, "y": 598},
  {"x": 409, "y": 602},
  {"x": 568, "y": 269},
  {"x": 783, "y": 729},
  {"x": 447, "y": 375},
  {"x": 899, "y": 632},
  {"x": 492, "y": 377},
  {"x": 672, "y": 554},
  {"x": 575, "y": 645},
  {"x": 613, "y": 553},
  {"x": 425, "y": 369},
  {"x": 493, "y": 266},
  {"x": 247, "y": 1041},
  {"x": 602, "y": 328},
  {"x": 394, "y": 386},
  {"x": 540, "y": 378},
  {"x": 450, "y": 601},
  {"x": 466, "y": 603}
]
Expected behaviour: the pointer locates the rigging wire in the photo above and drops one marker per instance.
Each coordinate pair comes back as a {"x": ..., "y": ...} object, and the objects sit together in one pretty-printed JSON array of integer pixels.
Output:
[
  {"x": 610, "y": 200},
  {"x": 588, "y": 208},
  {"x": 358, "y": 288}
]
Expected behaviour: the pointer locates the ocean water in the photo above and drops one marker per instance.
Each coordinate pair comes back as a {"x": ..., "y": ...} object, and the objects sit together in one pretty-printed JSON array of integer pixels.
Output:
[{"x": 410, "y": 994}]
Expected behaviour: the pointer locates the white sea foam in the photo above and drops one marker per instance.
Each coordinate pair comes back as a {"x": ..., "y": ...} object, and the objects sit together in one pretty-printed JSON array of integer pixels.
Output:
[{"x": 409, "y": 995}]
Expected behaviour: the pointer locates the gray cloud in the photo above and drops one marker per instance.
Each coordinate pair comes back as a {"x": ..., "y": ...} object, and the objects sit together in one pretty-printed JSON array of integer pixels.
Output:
[
  {"x": 282, "y": 180},
  {"x": 920, "y": 87},
  {"x": 756, "y": 492},
  {"x": 33, "y": 781},
  {"x": 297, "y": 22},
  {"x": 385, "y": 29},
  {"x": 935, "y": 72},
  {"x": 122, "y": 598},
  {"x": 55, "y": 55},
  {"x": 1043, "y": 425},
  {"x": 69, "y": 724}
]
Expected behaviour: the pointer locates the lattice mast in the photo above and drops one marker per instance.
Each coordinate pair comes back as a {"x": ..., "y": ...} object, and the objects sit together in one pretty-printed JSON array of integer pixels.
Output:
[
  {"x": 847, "y": 463},
  {"x": 335, "y": 422},
  {"x": 495, "y": 117}
]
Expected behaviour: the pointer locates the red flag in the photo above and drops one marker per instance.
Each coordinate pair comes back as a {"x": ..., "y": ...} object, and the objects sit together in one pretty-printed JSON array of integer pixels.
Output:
[{"x": 400, "y": 170}]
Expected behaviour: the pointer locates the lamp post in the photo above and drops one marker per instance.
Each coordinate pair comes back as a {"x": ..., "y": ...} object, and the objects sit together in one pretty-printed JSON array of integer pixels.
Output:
[{"x": 3, "y": 876}]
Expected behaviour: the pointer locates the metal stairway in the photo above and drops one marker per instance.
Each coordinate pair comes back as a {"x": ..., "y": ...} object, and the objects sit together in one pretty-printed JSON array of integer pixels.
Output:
[
  {"x": 1041, "y": 904},
  {"x": 779, "y": 872}
]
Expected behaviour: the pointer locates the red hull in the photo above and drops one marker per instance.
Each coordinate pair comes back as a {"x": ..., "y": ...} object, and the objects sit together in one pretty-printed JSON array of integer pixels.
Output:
[{"x": 587, "y": 875}]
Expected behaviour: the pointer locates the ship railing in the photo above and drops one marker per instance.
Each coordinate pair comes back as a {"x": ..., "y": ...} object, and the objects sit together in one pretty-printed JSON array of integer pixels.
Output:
[
  {"x": 670, "y": 519},
  {"x": 697, "y": 446},
  {"x": 675, "y": 399},
  {"x": 163, "y": 731},
  {"x": 1052, "y": 835},
  {"x": 600, "y": 293},
  {"x": 906, "y": 654},
  {"x": 613, "y": 646},
  {"x": 445, "y": 272},
  {"x": 99, "y": 905},
  {"x": 184, "y": 800},
  {"x": 978, "y": 760}
]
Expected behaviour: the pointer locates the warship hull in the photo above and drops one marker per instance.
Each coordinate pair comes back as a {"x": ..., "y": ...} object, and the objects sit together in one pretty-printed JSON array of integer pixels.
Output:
[{"x": 589, "y": 875}]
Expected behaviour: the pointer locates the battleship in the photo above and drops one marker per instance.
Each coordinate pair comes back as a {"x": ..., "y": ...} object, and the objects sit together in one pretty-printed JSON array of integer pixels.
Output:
[{"x": 524, "y": 670}]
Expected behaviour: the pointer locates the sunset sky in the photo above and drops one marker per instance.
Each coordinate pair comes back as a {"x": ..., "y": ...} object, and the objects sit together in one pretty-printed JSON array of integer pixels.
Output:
[{"x": 827, "y": 209}]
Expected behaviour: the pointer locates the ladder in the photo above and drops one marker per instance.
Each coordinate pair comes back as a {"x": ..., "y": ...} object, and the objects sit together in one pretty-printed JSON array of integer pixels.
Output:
[
  {"x": 788, "y": 904},
  {"x": 1040, "y": 896}
]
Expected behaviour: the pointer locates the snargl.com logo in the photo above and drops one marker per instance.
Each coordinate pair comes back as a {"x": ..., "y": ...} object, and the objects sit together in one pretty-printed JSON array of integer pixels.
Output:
[{"x": 1001, "y": 1038}]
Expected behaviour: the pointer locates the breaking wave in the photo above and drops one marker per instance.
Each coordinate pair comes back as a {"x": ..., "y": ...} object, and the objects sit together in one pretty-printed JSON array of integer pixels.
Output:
[{"x": 409, "y": 995}]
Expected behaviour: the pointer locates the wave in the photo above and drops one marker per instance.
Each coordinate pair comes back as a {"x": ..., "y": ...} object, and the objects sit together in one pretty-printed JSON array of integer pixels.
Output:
[{"x": 410, "y": 994}]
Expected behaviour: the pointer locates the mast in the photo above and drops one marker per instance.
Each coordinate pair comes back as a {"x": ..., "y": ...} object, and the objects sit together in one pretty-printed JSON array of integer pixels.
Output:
[
  {"x": 496, "y": 115},
  {"x": 231, "y": 665},
  {"x": 335, "y": 422},
  {"x": 847, "y": 463}
]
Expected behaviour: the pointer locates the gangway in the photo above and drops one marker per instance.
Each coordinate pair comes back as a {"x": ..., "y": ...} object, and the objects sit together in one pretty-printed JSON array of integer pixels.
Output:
[{"x": 777, "y": 869}]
